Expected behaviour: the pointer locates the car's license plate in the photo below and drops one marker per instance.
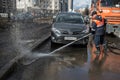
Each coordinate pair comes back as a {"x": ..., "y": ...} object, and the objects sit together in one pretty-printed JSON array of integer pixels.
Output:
[{"x": 70, "y": 38}]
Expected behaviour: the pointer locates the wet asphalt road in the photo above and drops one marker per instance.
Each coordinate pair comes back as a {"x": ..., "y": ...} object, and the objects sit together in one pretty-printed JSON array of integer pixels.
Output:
[
  {"x": 16, "y": 37},
  {"x": 75, "y": 62}
]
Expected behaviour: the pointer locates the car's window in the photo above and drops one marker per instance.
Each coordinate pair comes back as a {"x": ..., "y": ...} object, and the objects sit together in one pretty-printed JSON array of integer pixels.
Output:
[
  {"x": 70, "y": 18},
  {"x": 109, "y": 3}
]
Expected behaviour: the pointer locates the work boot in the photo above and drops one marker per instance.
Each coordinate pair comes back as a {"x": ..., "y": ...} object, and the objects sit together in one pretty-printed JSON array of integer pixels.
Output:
[{"x": 97, "y": 52}]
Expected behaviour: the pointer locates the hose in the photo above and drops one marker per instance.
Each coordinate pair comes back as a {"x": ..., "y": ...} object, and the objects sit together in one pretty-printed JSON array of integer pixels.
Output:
[
  {"x": 114, "y": 48},
  {"x": 51, "y": 53}
]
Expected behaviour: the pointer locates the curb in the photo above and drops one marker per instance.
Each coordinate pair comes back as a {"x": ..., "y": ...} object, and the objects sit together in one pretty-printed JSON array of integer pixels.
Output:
[
  {"x": 40, "y": 41},
  {"x": 7, "y": 69},
  {"x": 11, "y": 65}
]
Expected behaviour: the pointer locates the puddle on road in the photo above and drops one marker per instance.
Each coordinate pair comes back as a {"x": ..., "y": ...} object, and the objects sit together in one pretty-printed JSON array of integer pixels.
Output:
[
  {"x": 70, "y": 63},
  {"x": 73, "y": 63}
]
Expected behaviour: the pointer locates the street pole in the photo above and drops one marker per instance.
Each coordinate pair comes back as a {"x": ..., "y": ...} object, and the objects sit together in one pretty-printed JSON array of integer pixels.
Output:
[
  {"x": 25, "y": 6},
  {"x": 61, "y": 6},
  {"x": 8, "y": 9}
]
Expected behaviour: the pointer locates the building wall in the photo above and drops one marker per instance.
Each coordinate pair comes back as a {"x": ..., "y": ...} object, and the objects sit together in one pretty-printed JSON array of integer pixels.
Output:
[
  {"x": 63, "y": 5},
  {"x": 48, "y": 6},
  {"x": 24, "y": 4},
  {"x": 7, "y": 6},
  {"x": 70, "y": 5}
]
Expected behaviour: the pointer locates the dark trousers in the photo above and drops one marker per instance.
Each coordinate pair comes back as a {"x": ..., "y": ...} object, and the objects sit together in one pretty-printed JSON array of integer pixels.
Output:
[{"x": 98, "y": 40}]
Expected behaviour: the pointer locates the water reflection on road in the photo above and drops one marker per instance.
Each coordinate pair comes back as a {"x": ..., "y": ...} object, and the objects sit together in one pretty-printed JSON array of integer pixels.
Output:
[{"x": 74, "y": 63}]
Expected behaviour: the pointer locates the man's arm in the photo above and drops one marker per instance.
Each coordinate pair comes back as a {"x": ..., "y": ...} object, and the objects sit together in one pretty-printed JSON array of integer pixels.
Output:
[{"x": 93, "y": 27}]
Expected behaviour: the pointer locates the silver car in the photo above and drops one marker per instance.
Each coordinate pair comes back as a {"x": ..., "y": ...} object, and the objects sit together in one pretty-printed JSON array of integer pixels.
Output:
[{"x": 68, "y": 27}]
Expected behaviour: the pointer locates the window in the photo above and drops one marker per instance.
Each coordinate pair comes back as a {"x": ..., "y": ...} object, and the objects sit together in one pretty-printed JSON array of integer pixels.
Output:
[
  {"x": 55, "y": 2},
  {"x": 109, "y": 3},
  {"x": 55, "y": 6},
  {"x": 70, "y": 18}
]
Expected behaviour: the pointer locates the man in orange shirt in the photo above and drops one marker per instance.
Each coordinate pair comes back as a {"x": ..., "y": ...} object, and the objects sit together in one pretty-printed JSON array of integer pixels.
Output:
[{"x": 98, "y": 30}]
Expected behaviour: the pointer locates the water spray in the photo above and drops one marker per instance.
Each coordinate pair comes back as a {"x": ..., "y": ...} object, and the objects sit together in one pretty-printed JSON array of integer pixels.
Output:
[{"x": 37, "y": 56}]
